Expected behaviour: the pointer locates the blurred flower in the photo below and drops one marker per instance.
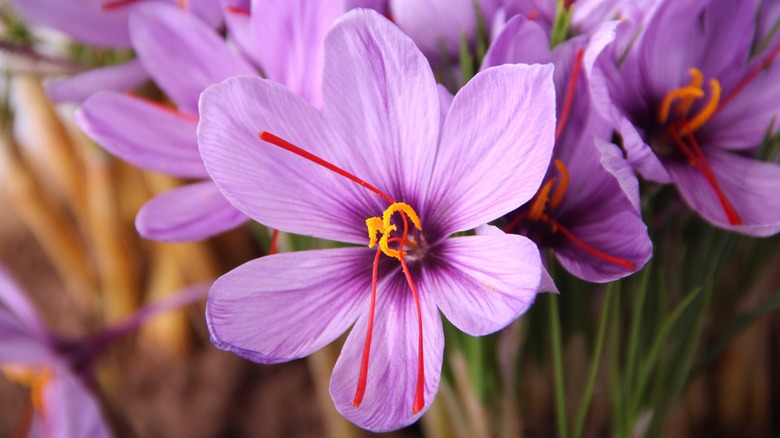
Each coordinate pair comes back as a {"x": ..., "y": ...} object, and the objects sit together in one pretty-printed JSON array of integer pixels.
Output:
[
  {"x": 32, "y": 356},
  {"x": 102, "y": 23},
  {"x": 581, "y": 211},
  {"x": 381, "y": 121},
  {"x": 693, "y": 106}
]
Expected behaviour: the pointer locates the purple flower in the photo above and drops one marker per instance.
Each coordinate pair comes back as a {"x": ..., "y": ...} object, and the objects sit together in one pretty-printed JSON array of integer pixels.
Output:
[
  {"x": 587, "y": 209},
  {"x": 30, "y": 354},
  {"x": 102, "y": 23},
  {"x": 693, "y": 105},
  {"x": 377, "y": 166},
  {"x": 169, "y": 43}
]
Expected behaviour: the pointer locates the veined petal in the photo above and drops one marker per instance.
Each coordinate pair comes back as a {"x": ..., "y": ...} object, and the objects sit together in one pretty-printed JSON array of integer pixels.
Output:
[
  {"x": 483, "y": 283},
  {"x": 188, "y": 213},
  {"x": 379, "y": 90},
  {"x": 495, "y": 148},
  {"x": 287, "y": 42},
  {"x": 289, "y": 305},
  {"x": 79, "y": 87},
  {"x": 147, "y": 135},
  {"x": 181, "y": 53},
  {"x": 521, "y": 40},
  {"x": 751, "y": 187},
  {"x": 274, "y": 186},
  {"x": 393, "y": 362},
  {"x": 70, "y": 409}
]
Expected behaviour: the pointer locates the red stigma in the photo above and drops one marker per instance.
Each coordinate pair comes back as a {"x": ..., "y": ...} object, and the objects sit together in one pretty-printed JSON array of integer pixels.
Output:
[
  {"x": 587, "y": 248},
  {"x": 284, "y": 144},
  {"x": 238, "y": 11},
  {"x": 117, "y": 4},
  {"x": 575, "y": 73},
  {"x": 182, "y": 115},
  {"x": 273, "y": 249},
  {"x": 750, "y": 77},
  {"x": 363, "y": 376}
]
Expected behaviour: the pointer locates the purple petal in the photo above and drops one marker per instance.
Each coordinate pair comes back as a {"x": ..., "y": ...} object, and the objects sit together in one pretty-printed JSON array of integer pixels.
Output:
[
  {"x": 287, "y": 306},
  {"x": 288, "y": 40},
  {"x": 751, "y": 187},
  {"x": 640, "y": 155},
  {"x": 495, "y": 147},
  {"x": 188, "y": 213},
  {"x": 181, "y": 53},
  {"x": 393, "y": 361},
  {"x": 522, "y": 40},
  {"x": 381, "y": 94},
  {"x": 483, "y": 283},
  {"x": 79, "y": 87},
  {"x": 445, "y": 101},
  {"x": 142, "y": 133},
  {"x": 614, "y": 163},
  {"x": 70, "y": 408},
  {"x": 275, "y": 186},
  {"x": 434, "y": 24},
  {"x": 83, "y": 20}
]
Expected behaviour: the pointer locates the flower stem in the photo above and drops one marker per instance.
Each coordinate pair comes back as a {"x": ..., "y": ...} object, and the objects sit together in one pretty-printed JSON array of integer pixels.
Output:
[
  {"x": 606, "y": 310},
  {"x": 557, "y": 357}
]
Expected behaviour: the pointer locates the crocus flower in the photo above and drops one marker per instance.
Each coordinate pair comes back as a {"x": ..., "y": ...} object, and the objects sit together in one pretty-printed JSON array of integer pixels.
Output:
[
  {"x": 57, "y": 370},
  {"x": 151, "y": 136},
  {"x": 377, "y": 166},
  {"x": 582, "y": 211},
  {"x": 102, "y": 23},
  {"x": 693, "y": 105},
  {"x": 30, "y": 354}
]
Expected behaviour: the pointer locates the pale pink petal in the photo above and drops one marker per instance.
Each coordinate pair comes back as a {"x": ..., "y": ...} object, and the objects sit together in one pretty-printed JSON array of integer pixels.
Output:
[
  {"x": 289, "y": 305},
  {"x": 79, "y": 87}
]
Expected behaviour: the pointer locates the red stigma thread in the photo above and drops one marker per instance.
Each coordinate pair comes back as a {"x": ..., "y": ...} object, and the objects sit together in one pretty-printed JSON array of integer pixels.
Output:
[
  {"x": 575, "y": 73},
  {"x": 363, "y": 376},
  {"x": 284, "y": 144},
  {"x": 587, "y": 248},
  {"x": 419, "y": 393},
  {"x": 697, "y": 159},
  {"x": 274, "y": 243},
  {"x": 117, "y": 4},
  {"x": 238, "y": 11},
  {"x": 750, "y": 77},
  {"x": 182, "y": 115}
]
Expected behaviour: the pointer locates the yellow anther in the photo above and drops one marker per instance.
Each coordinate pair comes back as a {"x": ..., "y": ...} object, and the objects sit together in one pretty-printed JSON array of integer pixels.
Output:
[
  {"x": 540, "y": 201},
  {"x": 685, "y": 104},
  {"x": 677, "y": 93},
  {"x": 35, "y": 379},
  {"x": 376, "y": 225},
  {"x": 560, "y": 189},
  {"x": 708, "y": 110}
]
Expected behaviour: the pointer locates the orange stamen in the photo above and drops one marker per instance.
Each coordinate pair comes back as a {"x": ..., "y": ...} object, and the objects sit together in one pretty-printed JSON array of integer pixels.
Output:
[
  {"x": 678, "y": 93},
  {"x": 117, "y": 4},
  {"x": 277, "y": 141},
  {"x": 560, "y": 189},
  {"x": 685, "y": 104},
  {"x": 237, "y": 10},
  {"x": 363, "y": 376},
  {"x": 174, "y": 111},
  {"x": 540, "y": 201},
  {"x": 182, "y": 3},
  {"x": 708, "y": 110},
  {"x": 587, "y": 248},
  {"x": 575, "y": 72}
]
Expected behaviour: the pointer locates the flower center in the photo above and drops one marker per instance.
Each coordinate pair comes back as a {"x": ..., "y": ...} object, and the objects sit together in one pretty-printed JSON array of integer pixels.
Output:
[
  {"x": 683, "y": 125},
  {"x": 543, "y": 205},
  {"x": 385, "y": 227}
]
